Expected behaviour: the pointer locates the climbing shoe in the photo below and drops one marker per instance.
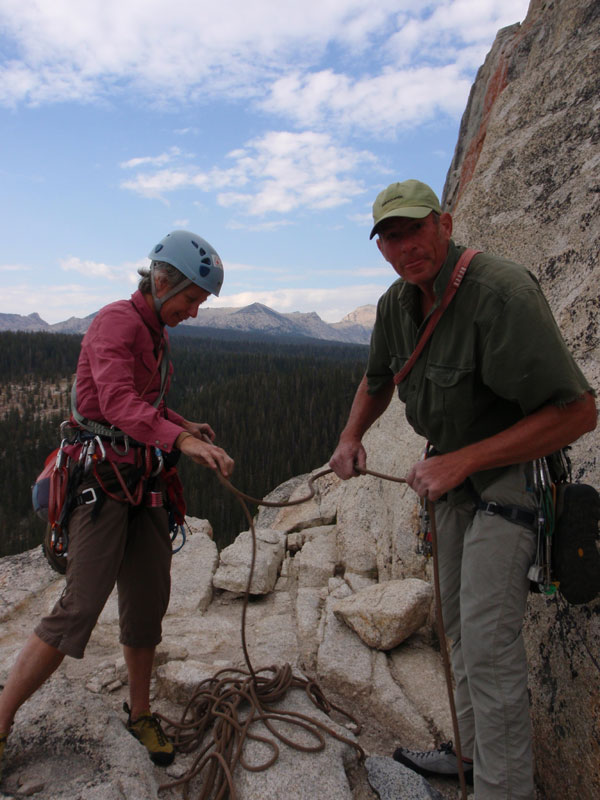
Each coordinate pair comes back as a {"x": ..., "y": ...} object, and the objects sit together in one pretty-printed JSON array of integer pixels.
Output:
[
  {"x": 148, "y": 731},
  {"x": 442, "y": 761}
]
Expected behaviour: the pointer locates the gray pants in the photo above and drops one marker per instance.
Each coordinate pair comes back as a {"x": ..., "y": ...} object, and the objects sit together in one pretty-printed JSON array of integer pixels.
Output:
[{"x": 483, "y": 562}]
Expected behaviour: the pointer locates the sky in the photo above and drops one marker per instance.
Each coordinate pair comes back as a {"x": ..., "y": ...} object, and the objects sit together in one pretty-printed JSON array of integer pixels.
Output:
[{"x": 267, "y": 127}]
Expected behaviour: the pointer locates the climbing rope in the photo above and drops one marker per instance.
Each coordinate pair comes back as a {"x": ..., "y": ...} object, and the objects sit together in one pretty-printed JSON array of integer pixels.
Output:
[{"x": 224, "y": 710}]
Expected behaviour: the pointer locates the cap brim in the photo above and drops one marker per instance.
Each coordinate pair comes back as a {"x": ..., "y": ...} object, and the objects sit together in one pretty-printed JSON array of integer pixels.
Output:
[{"x": 412, "y": 212}]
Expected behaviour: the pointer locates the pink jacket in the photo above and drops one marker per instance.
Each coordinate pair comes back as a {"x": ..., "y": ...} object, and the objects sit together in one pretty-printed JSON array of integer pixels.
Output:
[{"x": 118, "y": 360}]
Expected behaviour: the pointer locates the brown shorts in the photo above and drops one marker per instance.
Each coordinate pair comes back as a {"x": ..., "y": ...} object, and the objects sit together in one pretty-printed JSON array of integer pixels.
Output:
[{"x": 126, "y": 545}]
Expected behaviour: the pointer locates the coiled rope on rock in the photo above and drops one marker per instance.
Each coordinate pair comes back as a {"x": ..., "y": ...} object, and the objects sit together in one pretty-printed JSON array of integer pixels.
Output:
[{"x": 233, "y": 701}]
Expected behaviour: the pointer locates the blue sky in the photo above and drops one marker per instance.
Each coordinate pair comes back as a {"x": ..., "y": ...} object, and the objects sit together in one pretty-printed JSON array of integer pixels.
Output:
[{"x": 266, "y": 127}]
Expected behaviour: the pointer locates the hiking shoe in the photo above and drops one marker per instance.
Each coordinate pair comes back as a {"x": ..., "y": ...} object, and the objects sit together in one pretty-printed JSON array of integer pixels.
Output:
[
  {"x": 148, "y": 731},
  {"x": 442, "y": 761}
]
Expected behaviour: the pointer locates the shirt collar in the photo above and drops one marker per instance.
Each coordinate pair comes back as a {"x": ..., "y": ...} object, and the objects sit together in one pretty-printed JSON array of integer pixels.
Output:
[
  {"x": 445, "y": 273},
  {"x": 148, "y": 314}
]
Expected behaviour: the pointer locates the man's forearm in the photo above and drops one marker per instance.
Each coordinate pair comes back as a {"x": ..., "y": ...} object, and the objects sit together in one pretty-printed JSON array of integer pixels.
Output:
[{"x": 536, "y": 435}]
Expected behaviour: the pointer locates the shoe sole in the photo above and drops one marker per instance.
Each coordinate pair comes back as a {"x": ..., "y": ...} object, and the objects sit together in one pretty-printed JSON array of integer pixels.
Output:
[{"x": 427, "y": 773}]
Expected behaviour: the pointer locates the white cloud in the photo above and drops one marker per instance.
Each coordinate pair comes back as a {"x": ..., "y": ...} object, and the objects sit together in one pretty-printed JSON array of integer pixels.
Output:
[
  {"x": 279, "y": 172},
  {"x": 96, "y": 269},
  {"x": 154, "y": 161},
  {"x": 65, "y": 48},
  {"x": 195, "y": 49},
  {"x": 383, "y": 104}
]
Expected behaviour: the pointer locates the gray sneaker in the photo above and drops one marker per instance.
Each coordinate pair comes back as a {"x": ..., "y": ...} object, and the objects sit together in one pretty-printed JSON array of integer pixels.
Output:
[{"x": 442, "y": 761}]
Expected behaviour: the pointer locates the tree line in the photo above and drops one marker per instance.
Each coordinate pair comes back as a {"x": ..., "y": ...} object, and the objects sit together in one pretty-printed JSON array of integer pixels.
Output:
[{"x": 277, "y": 408}]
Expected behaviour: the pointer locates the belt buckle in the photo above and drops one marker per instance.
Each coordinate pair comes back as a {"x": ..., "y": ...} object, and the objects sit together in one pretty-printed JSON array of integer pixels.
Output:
[{"x": 92, "y": 492}]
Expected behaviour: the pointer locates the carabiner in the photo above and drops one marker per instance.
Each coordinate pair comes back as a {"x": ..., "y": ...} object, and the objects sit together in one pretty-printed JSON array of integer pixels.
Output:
[{"x": 161, "y": 462}]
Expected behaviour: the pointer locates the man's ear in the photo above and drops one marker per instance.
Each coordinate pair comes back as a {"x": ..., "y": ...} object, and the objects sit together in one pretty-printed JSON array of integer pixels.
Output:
[{"x": 446, "y": 223}]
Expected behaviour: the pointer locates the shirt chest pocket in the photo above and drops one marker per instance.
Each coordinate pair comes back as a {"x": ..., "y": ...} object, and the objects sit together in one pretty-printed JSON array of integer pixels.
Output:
[{"x": 452, "y": 392}]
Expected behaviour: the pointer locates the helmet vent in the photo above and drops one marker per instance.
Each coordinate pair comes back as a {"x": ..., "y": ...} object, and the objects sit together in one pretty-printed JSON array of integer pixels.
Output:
[
  {"x": 207, "y": 261},
  {"x": 204, "y": 271},
  {"x": 194, "y": 243}
]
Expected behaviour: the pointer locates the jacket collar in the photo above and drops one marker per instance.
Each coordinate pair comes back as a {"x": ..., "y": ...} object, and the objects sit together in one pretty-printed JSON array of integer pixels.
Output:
[{"x": 149, "y": 316}]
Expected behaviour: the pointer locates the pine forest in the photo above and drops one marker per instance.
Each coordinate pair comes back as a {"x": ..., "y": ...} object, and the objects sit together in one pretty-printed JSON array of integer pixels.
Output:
[{"x": 277, "y": 408}]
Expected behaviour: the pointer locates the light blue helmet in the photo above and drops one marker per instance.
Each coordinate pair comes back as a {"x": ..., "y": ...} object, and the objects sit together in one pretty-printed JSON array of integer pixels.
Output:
[{"x": 194, "y": 257}]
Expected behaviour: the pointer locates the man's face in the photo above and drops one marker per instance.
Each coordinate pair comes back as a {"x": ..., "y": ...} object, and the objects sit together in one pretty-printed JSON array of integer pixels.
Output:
[{"x": 416, "y": 248}]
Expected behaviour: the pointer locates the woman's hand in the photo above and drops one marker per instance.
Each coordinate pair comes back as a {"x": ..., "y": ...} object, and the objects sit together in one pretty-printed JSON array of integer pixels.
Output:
[
  {"x": 205, "y": 453},
  {"x": 200, "y": 429}
]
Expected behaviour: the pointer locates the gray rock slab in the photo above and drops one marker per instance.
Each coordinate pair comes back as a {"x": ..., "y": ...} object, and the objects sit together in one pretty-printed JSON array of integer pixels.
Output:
[
  {"x": 303, "y": 776},
  {"x": 319, "y": 510},
  {"x": 343, "y": 661},
  {"x": 394, "y": 781},
  {"x": 73, "y": 745},
  {"x": 317, "y": 560},
  {"x": 22, "y": 577},
  {"x": 387, "y": 613},
  {"x": 193, "y": 569},
  {"x": 234, "y": 565}
]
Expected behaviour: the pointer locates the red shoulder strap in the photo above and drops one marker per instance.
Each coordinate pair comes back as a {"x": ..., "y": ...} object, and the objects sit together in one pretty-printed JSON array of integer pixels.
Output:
[{"x": 455, "y": 279}]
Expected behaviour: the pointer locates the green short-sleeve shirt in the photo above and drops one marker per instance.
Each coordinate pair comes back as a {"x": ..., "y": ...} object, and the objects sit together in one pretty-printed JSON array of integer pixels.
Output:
[{"x": 495, "y": 356}]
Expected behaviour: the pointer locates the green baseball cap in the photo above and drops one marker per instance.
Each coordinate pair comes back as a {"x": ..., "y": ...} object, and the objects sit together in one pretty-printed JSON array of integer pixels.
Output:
[{"x": 411, "y": 199}]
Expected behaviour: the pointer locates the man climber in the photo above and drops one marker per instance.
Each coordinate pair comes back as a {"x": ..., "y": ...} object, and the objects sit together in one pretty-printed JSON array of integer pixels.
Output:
[{"x": 494, "y": 388}]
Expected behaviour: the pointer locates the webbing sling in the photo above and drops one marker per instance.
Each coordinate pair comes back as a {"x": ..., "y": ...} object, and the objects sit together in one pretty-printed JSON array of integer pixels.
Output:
[{"x": 455, "y": 280}]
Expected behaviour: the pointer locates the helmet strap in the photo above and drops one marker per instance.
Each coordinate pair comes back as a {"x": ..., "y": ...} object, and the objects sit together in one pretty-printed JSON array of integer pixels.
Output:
[{"x": 160, "y": 301}]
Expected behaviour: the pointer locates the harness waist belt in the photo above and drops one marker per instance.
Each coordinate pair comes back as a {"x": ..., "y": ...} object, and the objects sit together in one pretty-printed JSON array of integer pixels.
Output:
[{"x": 516, "y": 514}]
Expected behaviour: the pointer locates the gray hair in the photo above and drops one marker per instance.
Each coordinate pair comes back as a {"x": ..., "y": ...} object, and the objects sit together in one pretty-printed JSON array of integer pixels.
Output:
[{"x": 161, "y": 269}]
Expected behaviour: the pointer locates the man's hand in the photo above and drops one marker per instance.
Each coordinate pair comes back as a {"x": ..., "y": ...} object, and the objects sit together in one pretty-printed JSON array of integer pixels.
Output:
[
  {"x": 205, "y": 453},
  {"x": 437, "y": 475},
  {"x": 348, "y": 455}
]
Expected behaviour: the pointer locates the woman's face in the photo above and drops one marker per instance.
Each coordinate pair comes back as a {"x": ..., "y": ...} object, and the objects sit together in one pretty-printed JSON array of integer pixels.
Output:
[{"x": 182, "y": 305}]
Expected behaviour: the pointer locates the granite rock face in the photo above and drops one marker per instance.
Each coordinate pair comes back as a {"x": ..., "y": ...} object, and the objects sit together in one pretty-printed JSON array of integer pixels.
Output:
[{"x": 524, "y": 183}]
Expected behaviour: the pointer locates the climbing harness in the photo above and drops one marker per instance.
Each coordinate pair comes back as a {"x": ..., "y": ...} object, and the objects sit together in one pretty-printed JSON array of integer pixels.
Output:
[
  {"x": 229, "y": 704},
  {"x": 54, "y": 494}
]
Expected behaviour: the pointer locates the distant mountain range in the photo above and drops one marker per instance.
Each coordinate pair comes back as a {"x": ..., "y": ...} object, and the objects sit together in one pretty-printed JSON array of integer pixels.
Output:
[{"x": 355, "y": 328}]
